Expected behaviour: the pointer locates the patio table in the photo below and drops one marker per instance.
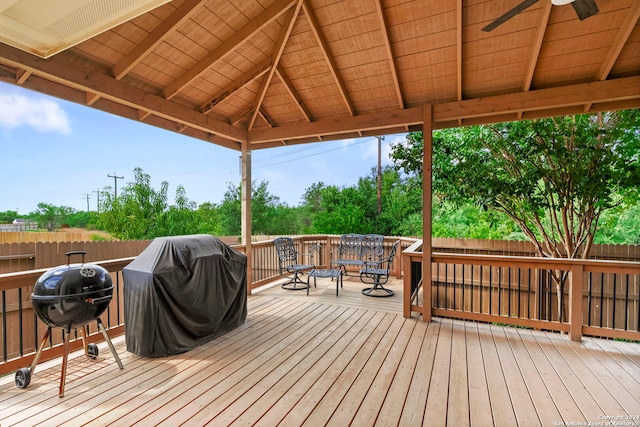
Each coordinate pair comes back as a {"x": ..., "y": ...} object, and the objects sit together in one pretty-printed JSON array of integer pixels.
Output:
[{"x": 333, "y": 273}]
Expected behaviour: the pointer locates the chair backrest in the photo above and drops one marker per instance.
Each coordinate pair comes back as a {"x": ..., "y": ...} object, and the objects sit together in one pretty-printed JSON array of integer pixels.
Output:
[
  {"x": 286, "y": 250},
  {"x": 372, "y": 247},
  {"x": 350, "y": 245},
  {"x": 389, "y": 259}
]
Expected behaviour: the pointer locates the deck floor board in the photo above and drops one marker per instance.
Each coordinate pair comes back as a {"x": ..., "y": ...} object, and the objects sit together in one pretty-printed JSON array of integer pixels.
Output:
[{"x": 347, "y": 360}]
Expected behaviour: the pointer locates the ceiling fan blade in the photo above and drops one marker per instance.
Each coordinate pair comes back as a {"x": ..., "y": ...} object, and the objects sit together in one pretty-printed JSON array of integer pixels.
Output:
[
  {"x": 585, "y": 8},
  {"x": 510, "y": 14}
]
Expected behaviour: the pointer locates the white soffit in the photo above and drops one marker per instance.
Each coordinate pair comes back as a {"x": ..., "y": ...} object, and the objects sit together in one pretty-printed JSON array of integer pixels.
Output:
[{"x": 46, "y": 27}]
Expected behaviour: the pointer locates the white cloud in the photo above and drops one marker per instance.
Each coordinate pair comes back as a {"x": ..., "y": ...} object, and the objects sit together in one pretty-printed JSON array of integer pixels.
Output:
[{"x": 41, "y": 114}]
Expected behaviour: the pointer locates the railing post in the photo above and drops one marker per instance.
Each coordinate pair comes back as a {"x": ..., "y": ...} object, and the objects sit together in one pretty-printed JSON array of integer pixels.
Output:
[
  {"x": 406, "y": 299},
  {"x": 427, "y": 168},
  {"x": 575, "y": 302}
]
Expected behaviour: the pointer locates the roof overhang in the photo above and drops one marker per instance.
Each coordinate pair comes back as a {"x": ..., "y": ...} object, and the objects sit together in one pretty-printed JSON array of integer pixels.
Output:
[{"x": 45, "y": 28}]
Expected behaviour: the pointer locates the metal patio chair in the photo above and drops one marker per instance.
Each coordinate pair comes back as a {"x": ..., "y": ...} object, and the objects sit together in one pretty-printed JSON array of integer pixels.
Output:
[
  {"x": 377, "y": 273},
  {"x": 288, "y": 262}
]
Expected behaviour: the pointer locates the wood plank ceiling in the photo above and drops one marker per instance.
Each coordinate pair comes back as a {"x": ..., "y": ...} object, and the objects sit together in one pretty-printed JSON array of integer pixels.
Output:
[{"x": 274, "y": 72}]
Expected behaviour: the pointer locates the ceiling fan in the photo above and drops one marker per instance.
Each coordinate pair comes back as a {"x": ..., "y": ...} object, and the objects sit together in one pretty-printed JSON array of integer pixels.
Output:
[{"x": 583, "y": 8}]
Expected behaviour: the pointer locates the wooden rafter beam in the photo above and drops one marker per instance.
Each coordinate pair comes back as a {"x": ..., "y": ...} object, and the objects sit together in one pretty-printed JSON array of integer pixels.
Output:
[
  {"x": 253, "y": 26},
  {"x": 537, "y": 45},
  {"x": 288, "y": 85},
  {"x": 241, "y": 114},
  {"x": 541, "y": 103},
  {"x": 61, "y": 71},
  {"x": 266, "y": 118},
  {"x": 142, "y": 114},
  {"x": 91, "y": 98},
  {"x": 155, "y": 37},
  {"x": 275, "y": 59},
  {"x": 630, "y": 21},
  {"x": 387, "y": 46},
  {"x": 620, "y": 40},
  {"x": 242, "y": 82},
  {"x": 324, "y": 48},
  {"x": 22, "y": 76},
  {"x": 459, "y": 50}
]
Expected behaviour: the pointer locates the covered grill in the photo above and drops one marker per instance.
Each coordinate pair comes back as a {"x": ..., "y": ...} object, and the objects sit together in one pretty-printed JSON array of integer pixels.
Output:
[
  {"x": 181, "y": 292},
  {"x": 70, "y": 296}
]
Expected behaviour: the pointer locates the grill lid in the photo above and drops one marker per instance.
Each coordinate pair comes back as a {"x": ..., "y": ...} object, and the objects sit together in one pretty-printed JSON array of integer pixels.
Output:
[{"x": 72, "y": 295}]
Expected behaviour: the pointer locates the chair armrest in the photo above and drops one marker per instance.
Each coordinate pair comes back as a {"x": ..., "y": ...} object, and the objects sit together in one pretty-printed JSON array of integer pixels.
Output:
[{"x": 312, "y": 248}]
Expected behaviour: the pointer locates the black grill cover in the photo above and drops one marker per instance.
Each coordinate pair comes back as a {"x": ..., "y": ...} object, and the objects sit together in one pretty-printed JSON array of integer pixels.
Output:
[{"x": 181, "y": 292}]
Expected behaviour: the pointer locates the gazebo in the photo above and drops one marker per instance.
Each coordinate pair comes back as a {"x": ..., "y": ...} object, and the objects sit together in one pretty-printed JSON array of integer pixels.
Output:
[
  {"x": 264, "y": 73},
  {"x": 258, "y": 74}
]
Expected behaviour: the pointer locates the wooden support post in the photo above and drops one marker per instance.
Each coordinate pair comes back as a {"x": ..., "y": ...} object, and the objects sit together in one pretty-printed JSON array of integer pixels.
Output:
[
  {"x": 245, "y": 191},
  {"x": 575, "y": 302},
  {"x": 427, "y": 167}
]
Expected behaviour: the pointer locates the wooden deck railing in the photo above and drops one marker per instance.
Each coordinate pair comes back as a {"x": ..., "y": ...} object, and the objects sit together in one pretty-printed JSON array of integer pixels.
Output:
[
  {"x": 504, "y": 289},
  {"x": 601, "y": 298}
]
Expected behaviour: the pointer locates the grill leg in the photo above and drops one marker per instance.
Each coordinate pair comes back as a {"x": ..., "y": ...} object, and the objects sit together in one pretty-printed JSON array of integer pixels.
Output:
[
  {"x": 84, "y": 340},
  {"x": 39, "y": 353},
  {"x": 65, "y": 358},
  {"x": 108, "y": 340}
]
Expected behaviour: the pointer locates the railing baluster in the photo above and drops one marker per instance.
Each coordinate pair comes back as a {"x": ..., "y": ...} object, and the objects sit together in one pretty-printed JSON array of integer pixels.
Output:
[
  {"x": 638, "y": 307},
  {"x": 480, "y": 287},
  {"x": 519, "y": 289},
  {"x": 490, "y": 290},
  {"x": 529, "y": 293},
  {"x": 509, "y": 292},
  {"x": 626, "y": 305},
  {"x": 589, "y": 299},
  {"x": 20, "y": 326},
  {"x": 601, "y": 297},
  {"x": 4, "y": 327},
  {"x": 471, "y": 288},
  {"x": 613, "y": 321},
  {"x": 454, "y": 286},
  {"x": 463, "y": 285},
  {"x": 499, "y": 291},
  {"x": 437, "y": 288}
]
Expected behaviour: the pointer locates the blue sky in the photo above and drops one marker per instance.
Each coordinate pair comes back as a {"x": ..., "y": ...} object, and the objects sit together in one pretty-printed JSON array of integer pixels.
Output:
[{"x": 57, "y": 152}]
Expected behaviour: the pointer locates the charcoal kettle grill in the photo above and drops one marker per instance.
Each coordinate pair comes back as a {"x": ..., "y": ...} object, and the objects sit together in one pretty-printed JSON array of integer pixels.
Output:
[{"x": 70, "y": 296}]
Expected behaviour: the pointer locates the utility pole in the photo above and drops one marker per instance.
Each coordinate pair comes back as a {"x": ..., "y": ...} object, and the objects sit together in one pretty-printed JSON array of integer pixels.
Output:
[
  {"x": 115, "y": 181},
  {"x": 98, "y": 200},
  {"x": 88, "y": 196},
  {"x": 380, "y": 139}
]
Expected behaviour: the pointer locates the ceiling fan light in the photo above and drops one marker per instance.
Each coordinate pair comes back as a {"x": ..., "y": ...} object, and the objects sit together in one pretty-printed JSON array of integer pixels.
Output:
[{"x": 561, "y": 2}]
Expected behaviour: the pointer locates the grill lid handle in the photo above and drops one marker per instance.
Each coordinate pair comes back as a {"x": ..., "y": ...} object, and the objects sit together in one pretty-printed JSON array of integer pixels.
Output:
[{"x": 68, "y": 254}]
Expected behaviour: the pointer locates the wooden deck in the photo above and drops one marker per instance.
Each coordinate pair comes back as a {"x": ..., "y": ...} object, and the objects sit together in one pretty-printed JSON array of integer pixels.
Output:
[{"x": 350, "y": 360}]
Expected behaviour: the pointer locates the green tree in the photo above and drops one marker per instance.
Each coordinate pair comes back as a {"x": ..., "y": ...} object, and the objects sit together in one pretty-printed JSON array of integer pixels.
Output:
[
  {"x": 50, "y": 216},
  {"x": 7, "y": 217},
  {"x": 553, "y": 177},
  {"x": 138, "y": 211},
  {"x": 265, "y": 209},
  {"x": 208, "y": 219}
]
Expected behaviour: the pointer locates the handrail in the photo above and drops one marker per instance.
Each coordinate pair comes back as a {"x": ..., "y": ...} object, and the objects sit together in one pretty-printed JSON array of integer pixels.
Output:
[{"x": 588, "y": 280}]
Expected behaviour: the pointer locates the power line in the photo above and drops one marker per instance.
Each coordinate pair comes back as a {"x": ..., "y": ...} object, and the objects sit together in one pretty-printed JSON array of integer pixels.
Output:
[{"x": 312, "y": 155}]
